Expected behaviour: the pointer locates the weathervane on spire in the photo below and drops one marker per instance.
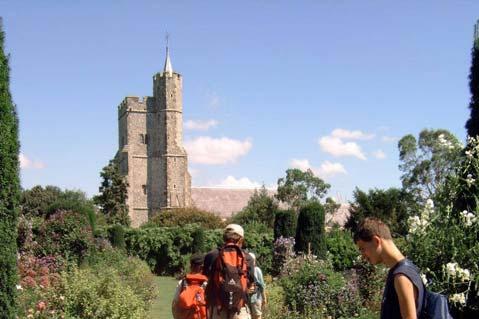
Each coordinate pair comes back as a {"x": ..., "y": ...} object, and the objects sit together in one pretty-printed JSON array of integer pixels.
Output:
[{"x": 168, "y": 68}]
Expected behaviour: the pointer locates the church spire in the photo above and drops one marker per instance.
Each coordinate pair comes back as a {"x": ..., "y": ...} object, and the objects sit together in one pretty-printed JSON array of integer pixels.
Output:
[{"x": 168, "y": 68}]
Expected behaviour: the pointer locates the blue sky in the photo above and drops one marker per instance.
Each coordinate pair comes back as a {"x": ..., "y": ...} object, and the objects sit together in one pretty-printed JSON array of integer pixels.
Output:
[{"x": 268, "y": 85}]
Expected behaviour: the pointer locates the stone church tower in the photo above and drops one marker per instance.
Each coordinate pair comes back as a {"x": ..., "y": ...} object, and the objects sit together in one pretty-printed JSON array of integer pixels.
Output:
[{"x": 151, "y": 153}]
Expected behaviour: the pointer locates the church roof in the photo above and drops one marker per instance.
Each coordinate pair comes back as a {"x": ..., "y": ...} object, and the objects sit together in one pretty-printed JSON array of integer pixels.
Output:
[{"x": 224, "y": 202}]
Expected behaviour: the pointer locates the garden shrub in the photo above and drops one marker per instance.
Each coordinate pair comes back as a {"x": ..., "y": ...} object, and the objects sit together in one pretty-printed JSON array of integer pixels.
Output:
[
  {"x": 285, "y": 224},
  {"x": 342, "y": 251},
  {"x": 67, "y": 234},
  {"x": 315, "y": 288},
  {"x": 166, "y": 249},
  {"x": 259, "y": 240},
  {"x": 183, "y": 216},
  {"x": 283, "y": 253},
  {"x": 108, "y": 285},
  {"x": 443, "y": 243},
  {"x": 95, "y": 295},
  {"x": 116, "y": 235},
  {"x": 310, "y": 229}
]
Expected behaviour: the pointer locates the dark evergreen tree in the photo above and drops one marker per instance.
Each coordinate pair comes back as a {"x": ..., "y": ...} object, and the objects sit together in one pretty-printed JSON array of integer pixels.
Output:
[
  {"x": 285, "y": 224},
  {"x": 472, "y": 125},
  {"x": 9, "y": 189},
  {"x": 113, "y": 195},
  {"x": 310, "y": 230}
]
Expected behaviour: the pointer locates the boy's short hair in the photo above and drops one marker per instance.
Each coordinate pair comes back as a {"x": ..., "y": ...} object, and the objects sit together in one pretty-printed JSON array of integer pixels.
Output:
[
  {"x": 197, "y": 260},
  {"x": 370, "y": 227},
  {"x": 231, "y": 237}
]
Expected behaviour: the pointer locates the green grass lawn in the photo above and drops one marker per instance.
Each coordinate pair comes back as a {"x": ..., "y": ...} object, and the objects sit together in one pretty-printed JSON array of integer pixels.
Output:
[{"x": 161, "y": 307}]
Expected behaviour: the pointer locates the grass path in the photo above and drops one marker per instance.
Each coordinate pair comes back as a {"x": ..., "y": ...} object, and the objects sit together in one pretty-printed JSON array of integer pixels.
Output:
[{"x": 161, "y": 307}]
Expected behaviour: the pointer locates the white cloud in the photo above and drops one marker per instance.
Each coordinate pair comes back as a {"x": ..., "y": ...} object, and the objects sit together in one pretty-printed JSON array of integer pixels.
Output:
[
  {"x": 379, "y": 154},
  {"x": 243, "y": 182},
  {"x": 351, "y": 135},
  {"x": 330, "y": 169},
  {"x": 27, "y": 163},
  {"x": 216, "y": 151},
  {"x": 336, "y": 147},
  {"x": 389, "y": 139},
  {"x": 199, "y": 125},
  {"x": 326, "y": 169},
  {"x": 303, "y": 165}
]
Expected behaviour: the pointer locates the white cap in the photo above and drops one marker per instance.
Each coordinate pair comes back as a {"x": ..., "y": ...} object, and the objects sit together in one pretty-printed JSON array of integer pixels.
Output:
[
  {"x": 234, "y": 228},
  {"x": 253, "y": 256}
]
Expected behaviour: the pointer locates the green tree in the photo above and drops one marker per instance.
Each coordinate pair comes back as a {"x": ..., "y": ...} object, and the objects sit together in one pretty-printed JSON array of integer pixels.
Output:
[
  {"x": 310, "y": 229},
  {"x": 472, "y": 125},
  {"x": 285, "y": 224},
  {"x": 37, "y": 200},
  {"x": 392, "y": 205},
  {"x": 113, "y": 195},
  {"x": 298, "y": 188},
  {"x": 260, "y": 208},
  {"x": 426, "y": 163},
  {"x": 9, "y": 189}
]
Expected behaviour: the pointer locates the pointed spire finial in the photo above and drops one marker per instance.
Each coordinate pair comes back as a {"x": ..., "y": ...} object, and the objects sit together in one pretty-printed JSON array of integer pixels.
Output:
[{"x": 168, "y": 68}]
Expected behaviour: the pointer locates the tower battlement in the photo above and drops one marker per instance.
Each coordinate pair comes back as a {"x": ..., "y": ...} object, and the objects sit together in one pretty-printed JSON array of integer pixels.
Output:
[{"x": 133, "y": 104}]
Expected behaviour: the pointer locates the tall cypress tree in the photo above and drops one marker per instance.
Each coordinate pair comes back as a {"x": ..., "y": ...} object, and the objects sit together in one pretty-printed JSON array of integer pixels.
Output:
[
  {"x": 9, "y": 189},
  {"x": 472, "y": 125}
]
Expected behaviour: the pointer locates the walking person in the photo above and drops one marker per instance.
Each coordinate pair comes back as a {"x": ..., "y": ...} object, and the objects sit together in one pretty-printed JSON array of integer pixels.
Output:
[
  {"x": 230, "y": 272},
  {"x": 258, "y": 297},
  {"x": 404, "y": 291},
  {"x": 189, "y": 299}
]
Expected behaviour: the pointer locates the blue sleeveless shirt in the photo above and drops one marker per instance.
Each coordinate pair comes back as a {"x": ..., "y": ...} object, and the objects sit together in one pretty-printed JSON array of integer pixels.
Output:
[{"x": 390, "y": 303}]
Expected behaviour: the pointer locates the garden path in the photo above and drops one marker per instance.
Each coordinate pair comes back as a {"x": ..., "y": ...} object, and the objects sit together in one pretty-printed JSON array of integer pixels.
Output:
[{"x": 161, "y": 307}]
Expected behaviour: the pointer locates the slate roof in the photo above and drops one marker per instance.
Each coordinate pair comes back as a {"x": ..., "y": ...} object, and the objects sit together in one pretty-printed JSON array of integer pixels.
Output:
[{"x": 226, "y": 201}]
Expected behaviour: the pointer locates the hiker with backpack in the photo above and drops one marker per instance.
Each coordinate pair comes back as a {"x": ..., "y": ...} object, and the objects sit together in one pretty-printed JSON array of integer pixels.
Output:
[
  {"x": 405, "y": 295},
  {"x": 230, "y": 272},
  {"x": 189, "y": 299},
  {"x": 257, "y": 298}
]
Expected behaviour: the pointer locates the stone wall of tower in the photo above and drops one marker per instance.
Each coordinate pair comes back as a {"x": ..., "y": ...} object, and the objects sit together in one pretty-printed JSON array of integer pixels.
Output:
[
  {"x": 132, "y": 155},
  {"x": 168, "y": 164}
]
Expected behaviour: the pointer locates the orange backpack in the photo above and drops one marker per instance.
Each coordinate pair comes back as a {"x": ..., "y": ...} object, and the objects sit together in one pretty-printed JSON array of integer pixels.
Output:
[
  {"x": 191, "y": 300},
  {"x": 230, "y": 279}
]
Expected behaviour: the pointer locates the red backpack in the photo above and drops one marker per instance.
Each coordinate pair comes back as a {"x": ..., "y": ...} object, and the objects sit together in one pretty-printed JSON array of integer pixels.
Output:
[
  {"x": 230, "y": 279},
  {"x": 191, "y": 300}
]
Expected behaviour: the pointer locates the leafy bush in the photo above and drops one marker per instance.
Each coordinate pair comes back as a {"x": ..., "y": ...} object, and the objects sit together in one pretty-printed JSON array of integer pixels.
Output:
[
  {"x": 285, "y": 224},
  {"x": 315, "y": 288},
  {"x": 443, "y": 243},
  {"x": 183, "y": 216},
  {"x": 116, "y": 235},
  {"x": 259, "y": 239},
  {"x": 43, "y": 202},
  {"x": 283, "y": 253},
  {"x": 109, "y": 285},
  {"x": 65, "y": 233},
  {"x": 166, "y": 249},
  {"x": 310, "y": 229},
  {"x": 342, "y": 251}
]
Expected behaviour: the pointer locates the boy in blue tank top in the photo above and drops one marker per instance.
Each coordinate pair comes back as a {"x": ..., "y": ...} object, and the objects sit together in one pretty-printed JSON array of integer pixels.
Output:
[{"x": 404, "y": 291}]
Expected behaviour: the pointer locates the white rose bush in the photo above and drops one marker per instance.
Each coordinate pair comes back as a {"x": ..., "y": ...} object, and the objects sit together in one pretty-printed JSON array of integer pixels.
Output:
[{"x": 443, "y": 238}]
